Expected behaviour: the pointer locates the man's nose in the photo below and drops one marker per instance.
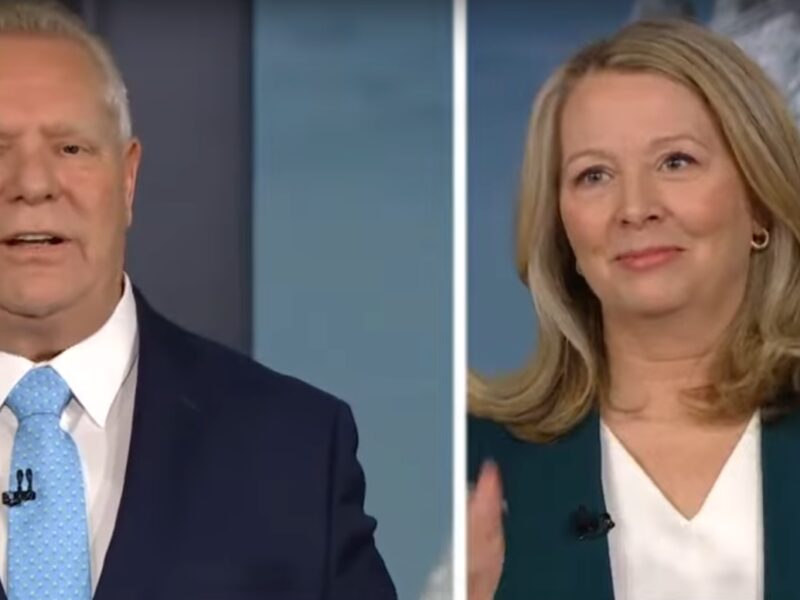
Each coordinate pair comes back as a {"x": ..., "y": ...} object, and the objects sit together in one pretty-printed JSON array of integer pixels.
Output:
[{"x": 32, "y": 177}]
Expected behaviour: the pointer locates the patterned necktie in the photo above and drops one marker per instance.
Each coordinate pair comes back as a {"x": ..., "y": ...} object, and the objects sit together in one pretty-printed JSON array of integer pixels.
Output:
[{"x": 48, "y": 547}]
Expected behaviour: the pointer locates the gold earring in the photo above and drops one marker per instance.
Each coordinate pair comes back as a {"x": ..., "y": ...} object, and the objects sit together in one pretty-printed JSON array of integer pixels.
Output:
[{"x": 760, "y": 240}]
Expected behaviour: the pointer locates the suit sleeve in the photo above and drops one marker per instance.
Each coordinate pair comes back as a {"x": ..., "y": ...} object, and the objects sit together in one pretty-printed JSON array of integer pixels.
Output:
[{"x": 355, "y": 568}]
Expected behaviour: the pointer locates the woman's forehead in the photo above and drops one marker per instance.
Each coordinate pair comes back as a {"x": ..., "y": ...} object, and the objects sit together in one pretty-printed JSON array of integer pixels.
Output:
[{"x": 613, "y": 106}]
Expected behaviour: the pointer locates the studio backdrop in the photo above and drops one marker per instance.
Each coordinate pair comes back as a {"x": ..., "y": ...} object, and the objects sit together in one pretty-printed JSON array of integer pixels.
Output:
[{"x": 294, "y": 202}]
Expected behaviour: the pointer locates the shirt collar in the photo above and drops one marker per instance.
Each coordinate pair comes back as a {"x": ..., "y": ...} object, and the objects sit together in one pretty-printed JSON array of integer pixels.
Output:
[{"x": 94, "y": 368}]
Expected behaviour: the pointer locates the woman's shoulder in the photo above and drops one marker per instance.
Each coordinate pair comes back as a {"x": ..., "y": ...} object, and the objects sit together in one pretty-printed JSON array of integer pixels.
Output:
[
  {"x": 489, "y": 440},
  {"x": 481, "y": 429}
]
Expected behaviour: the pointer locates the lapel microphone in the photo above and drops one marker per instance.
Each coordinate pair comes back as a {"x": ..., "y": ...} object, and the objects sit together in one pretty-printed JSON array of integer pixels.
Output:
[
  {"x": 19, "y": 496},
  {"x": 589, "y": 525}
]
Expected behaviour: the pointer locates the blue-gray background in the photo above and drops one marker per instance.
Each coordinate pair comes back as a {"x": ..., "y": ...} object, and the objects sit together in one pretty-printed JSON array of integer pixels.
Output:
[
  {"x": 352, "y": 241},
  {"x": 294, "y": 202},
  {"x": 513, "y": 46}
]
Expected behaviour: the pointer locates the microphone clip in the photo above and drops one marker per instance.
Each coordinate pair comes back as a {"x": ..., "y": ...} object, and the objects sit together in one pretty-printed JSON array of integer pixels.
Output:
[
  {"x": 591, "y": 525},
  {"x": 19, "y": 495}
]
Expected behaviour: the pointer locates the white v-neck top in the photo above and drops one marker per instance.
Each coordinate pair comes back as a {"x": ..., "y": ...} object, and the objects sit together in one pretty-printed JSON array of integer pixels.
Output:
[{"x": 658, "y": 554}]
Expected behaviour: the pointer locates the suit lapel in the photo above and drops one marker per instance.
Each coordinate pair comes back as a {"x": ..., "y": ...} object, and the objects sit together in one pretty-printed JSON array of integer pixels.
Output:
[
  {"x": 780, "y": 451},
  {"x": 163, "y": 432},
  {"x": 164, "y": 425}
]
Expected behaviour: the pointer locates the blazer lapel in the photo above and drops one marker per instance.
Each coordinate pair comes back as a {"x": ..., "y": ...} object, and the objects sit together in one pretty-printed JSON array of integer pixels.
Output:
[
  {"x": 580, "y": 480},
  {"x": 780, "y": 451},
  {"x": 545, "y": 485},
  {"x": 163, "y": 432}
]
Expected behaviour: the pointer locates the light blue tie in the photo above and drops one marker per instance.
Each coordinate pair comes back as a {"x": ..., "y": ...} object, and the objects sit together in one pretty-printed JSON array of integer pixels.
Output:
[{"x": 48, "y": 547}]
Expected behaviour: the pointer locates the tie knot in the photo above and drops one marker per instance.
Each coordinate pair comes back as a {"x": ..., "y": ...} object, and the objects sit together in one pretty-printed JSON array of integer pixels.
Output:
[{"x": 41, "y": 391}]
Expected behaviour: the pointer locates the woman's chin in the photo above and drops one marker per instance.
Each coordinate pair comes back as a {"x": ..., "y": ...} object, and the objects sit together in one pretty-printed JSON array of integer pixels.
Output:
[{"x": 650, "y": 306}]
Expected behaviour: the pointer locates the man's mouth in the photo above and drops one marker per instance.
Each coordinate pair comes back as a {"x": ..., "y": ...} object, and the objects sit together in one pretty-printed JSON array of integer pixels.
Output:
[{"x": 34, "y": 239}]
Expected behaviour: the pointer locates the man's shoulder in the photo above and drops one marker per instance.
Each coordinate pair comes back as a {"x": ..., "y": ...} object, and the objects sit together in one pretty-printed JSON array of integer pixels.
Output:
[{"x": 221, "y": 375}]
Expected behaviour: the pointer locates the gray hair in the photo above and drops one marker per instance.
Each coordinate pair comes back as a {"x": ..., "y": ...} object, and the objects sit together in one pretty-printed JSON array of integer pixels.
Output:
[{"x": 47, "y": 17}]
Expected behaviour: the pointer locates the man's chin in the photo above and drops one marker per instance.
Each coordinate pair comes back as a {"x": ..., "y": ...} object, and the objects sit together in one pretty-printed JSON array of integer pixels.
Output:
[{"x": 34, "y": 304}]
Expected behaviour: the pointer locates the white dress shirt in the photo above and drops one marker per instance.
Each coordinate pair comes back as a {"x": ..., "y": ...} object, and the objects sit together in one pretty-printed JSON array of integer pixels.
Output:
[
  {"x": 658, "y": 554},
  {"x": 101, "y": 371}
]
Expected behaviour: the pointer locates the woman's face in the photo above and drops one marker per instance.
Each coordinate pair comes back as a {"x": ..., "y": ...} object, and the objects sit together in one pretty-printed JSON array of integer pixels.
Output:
[{"x": 651, "y": 199}]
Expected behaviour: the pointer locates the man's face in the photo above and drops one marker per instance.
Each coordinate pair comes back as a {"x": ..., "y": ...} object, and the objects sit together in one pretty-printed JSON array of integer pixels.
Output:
[{"x": 66, "y": 178}]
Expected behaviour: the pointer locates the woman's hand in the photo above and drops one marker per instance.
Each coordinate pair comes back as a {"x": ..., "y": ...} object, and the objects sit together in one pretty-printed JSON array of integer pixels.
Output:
[{"x": 485, "y": 541}]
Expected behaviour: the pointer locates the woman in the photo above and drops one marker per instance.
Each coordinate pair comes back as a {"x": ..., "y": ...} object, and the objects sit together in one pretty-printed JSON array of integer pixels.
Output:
[{"x": 648, "y": 451}]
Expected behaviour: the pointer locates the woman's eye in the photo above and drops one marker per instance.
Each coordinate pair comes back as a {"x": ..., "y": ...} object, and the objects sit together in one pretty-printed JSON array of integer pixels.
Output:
[
  {"x": 591, "y": 176},
  {"x": 677, "y": 161}
]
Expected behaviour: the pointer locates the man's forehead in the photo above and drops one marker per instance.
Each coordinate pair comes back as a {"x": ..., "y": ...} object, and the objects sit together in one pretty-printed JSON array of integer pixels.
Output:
[
  {"x": 46, "y": 54},
  {"x": 52, "y": 84}
]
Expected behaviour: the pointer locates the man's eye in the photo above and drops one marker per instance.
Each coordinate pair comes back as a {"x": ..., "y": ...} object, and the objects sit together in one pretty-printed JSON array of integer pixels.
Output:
[{"x": 71, "y": 149}]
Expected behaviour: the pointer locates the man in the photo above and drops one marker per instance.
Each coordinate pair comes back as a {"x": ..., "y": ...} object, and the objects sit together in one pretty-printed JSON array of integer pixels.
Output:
[{"x": 143, "y": 461}]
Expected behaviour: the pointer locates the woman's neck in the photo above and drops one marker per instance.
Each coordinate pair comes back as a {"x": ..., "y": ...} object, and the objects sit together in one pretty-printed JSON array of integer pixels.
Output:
[{"x": 654, "y": 362}]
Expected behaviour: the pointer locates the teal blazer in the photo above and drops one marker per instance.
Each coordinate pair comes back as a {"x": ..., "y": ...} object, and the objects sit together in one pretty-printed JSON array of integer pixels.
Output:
[{"x": 544, "y": 484}]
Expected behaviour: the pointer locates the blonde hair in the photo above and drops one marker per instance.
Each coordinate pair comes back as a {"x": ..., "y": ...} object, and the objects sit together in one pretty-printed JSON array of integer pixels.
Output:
[
  {"x": 51, "y": 18},
  {"x": 568, "y": 374}
]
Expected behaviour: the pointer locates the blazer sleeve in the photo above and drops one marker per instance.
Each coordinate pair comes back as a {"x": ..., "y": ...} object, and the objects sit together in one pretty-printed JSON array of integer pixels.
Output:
[
  {"x": 355, "y": 568},
  {"x": 482, "y": 437}
]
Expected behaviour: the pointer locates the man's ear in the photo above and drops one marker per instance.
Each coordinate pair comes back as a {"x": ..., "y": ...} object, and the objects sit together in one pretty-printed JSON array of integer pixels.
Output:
[{"x": 132, "y": 156}]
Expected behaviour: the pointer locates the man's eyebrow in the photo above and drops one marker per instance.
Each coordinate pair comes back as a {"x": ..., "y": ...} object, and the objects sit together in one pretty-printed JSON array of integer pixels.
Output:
[{"x": 62, "y": 129}]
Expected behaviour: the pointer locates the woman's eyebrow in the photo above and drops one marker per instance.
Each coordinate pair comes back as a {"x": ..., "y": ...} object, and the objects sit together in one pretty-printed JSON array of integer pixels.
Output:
[{"x": 677, "y": 137}]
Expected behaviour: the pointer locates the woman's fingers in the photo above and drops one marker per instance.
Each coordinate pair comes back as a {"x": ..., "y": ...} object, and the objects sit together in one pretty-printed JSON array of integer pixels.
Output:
[{"x": 485, "y": 541}]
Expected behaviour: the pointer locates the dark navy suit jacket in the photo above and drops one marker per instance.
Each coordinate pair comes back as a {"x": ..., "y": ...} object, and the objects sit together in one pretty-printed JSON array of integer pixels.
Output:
[{"x": 241, "y": 484}]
